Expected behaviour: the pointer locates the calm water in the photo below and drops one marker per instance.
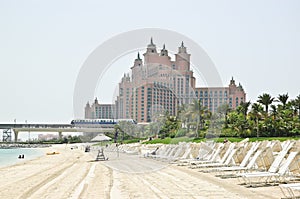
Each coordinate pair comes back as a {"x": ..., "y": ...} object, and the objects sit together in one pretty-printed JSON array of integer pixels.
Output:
[{"x": 10, "y": 156}]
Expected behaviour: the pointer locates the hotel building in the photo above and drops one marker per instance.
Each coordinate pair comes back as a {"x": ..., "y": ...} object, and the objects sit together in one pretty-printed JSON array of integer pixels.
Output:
[
  {"x": 158, "y": 84},
  {"x": 96, "y": 110}
]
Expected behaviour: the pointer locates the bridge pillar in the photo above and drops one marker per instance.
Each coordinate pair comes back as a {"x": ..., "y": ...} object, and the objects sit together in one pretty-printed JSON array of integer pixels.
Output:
[
  {"x": 60, "y": 135},
  {"x": 16, "y": 135},
  {"x": 6, "y": 135}
]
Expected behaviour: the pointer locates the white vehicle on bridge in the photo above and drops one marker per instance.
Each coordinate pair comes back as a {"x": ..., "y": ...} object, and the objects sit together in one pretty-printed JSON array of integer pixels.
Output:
[{"x": 103, "y": 123}]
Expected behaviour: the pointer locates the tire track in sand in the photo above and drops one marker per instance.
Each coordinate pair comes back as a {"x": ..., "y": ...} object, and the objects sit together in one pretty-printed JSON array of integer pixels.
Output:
[
  {"x": 69, "y": 177},
  {"x": 25, "y": 184},
  {"x": 38, "y": 184},
  {"x": 99, "y": 184}
]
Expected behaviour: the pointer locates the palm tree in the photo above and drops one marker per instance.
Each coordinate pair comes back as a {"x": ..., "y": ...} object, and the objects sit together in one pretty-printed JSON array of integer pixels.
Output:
[
  {"x": 245, "y": 107},
  {"x": 283, "y": 99},
  {"x": 256, "y": 110},
  {"x": 198, "y": 112},
  {"x": 224, "y": 109},
  {"x": 296, "y": 104},
  {"x": 161, "y": 121},
  {"x": 237, "y": 122},
  {"x": 126, "y": 126},
  {"x": 274, "y": 111},
  {"x": 117, "y": 129},
  {"x": 184, "y": 113},
  {"x": 275, "y": 119},
  {"x": 266, "y": 100}
]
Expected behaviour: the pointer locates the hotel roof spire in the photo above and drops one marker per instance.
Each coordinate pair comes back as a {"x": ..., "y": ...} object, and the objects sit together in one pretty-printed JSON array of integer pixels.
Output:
[
  {"x": 163, "y": 51},
  {"x": 182, "y": 48},
  {"x": 232, "y": 81},
  {"x": 138, "y": 56},
  {"x": 151, "y": 48}
]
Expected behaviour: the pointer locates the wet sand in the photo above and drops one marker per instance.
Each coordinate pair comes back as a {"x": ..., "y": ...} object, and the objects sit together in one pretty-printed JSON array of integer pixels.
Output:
[{"x": 75, "y": 174}]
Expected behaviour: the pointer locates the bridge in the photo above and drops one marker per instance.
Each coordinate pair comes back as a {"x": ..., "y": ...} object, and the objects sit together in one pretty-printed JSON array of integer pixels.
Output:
[{"x": 8, "y": 129}]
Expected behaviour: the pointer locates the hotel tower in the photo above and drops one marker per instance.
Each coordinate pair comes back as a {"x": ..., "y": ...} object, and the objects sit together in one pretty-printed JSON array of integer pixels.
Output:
[{"x": 158, "y": 84}]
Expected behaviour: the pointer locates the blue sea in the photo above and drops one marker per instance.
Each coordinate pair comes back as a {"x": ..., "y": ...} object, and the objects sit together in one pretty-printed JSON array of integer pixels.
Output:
[{"x": 10, "y": 156}]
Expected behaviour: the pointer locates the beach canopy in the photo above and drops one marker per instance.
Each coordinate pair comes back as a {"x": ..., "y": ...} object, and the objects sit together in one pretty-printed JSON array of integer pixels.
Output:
[{"x": 100, "y": 138}]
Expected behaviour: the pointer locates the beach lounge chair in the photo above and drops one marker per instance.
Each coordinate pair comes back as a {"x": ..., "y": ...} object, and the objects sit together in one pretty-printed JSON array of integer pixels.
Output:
[
  {"x": 272, "y": 175},
  {"x": 275, "y": 163},
  {"x": 181, "y": 151},
  {"x": 210, "y": 158},
  {"x": 169, "y": 152},
  {"x": 291, "y": 190},
  {"x": 247, "y": 163},
  {"x": 227, "y": 159},
  {"x": 162, "y": 152},
  {"x": 205, "y": 152},
  {"x": 182, "y": 154},
  {"x": 214, "y": 156}
]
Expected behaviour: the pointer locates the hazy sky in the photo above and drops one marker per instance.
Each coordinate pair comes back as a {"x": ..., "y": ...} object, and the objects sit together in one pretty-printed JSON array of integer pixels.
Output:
[{"x": 43, "y": 45}]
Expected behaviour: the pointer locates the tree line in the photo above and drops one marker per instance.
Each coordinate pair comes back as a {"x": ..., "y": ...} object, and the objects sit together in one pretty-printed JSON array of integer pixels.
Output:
[{"x": 268, "y": 117}]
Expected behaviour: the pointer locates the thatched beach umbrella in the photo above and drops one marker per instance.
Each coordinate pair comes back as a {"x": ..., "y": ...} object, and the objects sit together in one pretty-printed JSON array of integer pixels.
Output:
[{"x": 101, "y": 138}]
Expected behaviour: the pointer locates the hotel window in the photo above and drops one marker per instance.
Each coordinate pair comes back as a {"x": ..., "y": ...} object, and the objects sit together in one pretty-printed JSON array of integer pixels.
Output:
[{"x": 201, "y": 93}]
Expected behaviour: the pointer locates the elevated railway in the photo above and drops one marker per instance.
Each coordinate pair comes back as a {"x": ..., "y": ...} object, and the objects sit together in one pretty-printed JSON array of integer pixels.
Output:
[{"x": 8, "y": 129}]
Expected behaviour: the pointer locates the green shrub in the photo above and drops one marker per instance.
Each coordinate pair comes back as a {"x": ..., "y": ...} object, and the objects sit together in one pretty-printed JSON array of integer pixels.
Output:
[
  {"x": 228, "y": 132},
  {"x": 162, "y": 141},
  {"x": 181, "y": 133}
]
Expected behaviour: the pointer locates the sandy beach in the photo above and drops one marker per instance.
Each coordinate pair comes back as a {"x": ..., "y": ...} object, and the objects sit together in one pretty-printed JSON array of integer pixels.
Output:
[{"x": 74, "y": 174}]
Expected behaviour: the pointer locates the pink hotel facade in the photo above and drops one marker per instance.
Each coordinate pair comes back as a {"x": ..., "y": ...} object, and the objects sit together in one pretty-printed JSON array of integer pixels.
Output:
[{"x": 159, "y": 84}]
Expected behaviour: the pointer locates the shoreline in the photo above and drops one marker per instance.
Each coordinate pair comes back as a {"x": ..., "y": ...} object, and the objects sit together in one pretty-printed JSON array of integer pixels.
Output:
[{"x": 11, "y": 156}]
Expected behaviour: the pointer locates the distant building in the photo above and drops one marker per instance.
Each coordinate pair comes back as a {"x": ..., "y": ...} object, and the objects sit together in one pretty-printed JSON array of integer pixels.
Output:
[
  {"x": 159, "y": 84},
  {"x": 47, "y": 137},
  {"x": 97, "y": 110}
]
